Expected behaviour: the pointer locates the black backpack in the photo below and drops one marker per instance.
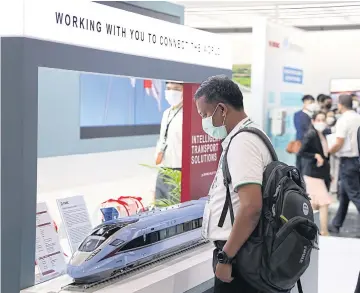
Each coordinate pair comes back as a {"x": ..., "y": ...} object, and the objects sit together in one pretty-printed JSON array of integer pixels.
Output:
[{"x": 278, "y": 252}]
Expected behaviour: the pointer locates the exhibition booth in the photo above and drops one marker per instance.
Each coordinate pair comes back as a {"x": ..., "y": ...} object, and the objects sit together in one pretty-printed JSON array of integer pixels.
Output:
[{"x": 82, "y": 100}]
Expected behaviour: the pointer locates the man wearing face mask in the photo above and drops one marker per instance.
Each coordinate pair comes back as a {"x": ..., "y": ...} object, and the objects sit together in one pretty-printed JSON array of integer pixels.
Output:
[
  {"x": 347, "y": 146},
  {"x": 220, "y": 104},
  {"x": 302, "y": 122},
  {"x": 327, "y": 104},
  {"x": 169, "y": 146}
]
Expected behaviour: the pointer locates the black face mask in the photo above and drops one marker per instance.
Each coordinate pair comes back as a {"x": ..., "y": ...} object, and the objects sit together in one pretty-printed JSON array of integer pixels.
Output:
[{"x": 328, "y": 106}]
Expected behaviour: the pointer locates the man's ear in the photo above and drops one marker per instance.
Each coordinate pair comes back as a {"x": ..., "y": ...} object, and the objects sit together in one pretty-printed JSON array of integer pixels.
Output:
[{"x": 223, "y": 109}]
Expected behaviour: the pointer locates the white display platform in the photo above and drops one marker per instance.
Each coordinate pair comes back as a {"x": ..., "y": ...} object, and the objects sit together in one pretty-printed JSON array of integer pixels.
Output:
[{"x": 177, "y": 275}]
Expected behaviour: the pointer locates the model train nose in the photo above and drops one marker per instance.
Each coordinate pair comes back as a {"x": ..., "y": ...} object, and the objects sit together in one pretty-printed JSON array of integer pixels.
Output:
[
  {"x": 81, "y": 275},
  {"x": 75, "y": 272}
]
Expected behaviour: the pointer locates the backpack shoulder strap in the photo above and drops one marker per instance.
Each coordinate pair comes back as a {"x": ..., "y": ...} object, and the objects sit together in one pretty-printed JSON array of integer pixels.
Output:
[
  {"x": 255, "y": 131},
  {"x": 227, "y": 175},
  {"x": 300, "y": 290}
]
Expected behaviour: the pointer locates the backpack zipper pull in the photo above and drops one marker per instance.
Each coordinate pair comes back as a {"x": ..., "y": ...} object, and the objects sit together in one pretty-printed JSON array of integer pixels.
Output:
[{"x": 277, "y": 191}]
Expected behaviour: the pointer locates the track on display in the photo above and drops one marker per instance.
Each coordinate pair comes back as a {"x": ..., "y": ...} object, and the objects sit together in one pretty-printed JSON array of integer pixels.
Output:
[{"x": 127, "y": 272}]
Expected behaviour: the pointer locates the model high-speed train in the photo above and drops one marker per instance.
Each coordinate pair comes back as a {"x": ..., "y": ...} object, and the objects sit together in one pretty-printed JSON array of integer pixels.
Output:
[{"x": 127, "y": 242}]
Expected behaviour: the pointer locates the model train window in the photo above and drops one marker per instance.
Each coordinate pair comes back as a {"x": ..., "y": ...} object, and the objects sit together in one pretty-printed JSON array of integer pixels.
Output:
[
  {"x": 179, "y": 228},
  {"x": 171, "y": 231},
  {"x": 91, "y": 243},
  {"x": 135, "y": 243},
  {"x": 152, "y": 237},
  {"x": 188, "y": 226},
  {"x": 196, "y": 224},
  {"x": 163, "y": 234},
  {"x": 106, "y": 231}
]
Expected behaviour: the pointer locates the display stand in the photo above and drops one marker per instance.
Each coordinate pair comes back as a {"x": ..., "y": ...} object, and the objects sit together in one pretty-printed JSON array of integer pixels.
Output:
[
  {"x": 190, "y": 272},
  {"x": 32, "y": 38}
]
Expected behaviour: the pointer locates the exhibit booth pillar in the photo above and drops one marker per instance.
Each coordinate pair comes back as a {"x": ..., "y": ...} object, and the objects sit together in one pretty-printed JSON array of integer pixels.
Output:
[
  {"x": 278, "y": 69},
  {"x": 34, "y": 37}
]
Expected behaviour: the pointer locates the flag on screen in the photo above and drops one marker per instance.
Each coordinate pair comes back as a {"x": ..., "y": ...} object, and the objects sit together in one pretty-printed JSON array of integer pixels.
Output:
[
  {"x": 153, "y": 88},
  {"x": 147, "y": 86}
]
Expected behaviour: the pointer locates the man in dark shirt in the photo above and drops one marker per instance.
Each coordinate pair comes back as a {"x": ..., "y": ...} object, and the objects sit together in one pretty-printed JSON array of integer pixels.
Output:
[{"x": 302, "y": 121}]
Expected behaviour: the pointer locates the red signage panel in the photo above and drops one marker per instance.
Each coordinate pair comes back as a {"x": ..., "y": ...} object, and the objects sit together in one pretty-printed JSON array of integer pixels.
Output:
[{"x": 200, "y": 154}]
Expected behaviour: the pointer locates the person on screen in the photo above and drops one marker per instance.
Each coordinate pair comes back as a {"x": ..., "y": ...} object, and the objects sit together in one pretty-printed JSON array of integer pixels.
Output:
[{"x": 169, "y": 146}]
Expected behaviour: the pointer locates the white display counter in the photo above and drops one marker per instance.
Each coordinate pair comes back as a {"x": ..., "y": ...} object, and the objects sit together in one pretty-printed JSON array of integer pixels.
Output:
[{"x": 178, "y": 275}]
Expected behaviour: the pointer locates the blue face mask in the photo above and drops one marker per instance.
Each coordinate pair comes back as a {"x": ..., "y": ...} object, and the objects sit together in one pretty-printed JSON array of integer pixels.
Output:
[{"x": 218, "y": 132}]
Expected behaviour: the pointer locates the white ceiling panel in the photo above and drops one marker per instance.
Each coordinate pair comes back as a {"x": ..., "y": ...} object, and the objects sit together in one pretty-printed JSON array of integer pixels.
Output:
[{"x": 238, "y": 14}]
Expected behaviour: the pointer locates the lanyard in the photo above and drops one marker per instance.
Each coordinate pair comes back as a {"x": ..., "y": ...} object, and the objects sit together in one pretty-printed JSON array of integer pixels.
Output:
[{"x": 168, "y": 123}]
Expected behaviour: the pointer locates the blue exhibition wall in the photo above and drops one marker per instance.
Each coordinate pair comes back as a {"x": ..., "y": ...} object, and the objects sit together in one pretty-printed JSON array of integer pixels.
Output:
[
  {"x": 290, "y": 102},
  {"x": 60, "y": 108}
]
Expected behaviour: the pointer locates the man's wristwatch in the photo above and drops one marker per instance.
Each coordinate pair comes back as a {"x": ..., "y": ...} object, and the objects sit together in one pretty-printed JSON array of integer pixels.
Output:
[{"x": 223, "y": 258}]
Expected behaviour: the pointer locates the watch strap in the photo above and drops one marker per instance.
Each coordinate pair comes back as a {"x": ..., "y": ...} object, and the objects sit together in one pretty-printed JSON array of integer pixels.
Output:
[{"x": 225, "y": 259}]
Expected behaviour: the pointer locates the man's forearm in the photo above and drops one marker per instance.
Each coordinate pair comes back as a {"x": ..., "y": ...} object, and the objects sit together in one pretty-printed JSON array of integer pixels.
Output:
[
  {"x": 245, "y": 223},
  {"x": 334, "y": 149}
]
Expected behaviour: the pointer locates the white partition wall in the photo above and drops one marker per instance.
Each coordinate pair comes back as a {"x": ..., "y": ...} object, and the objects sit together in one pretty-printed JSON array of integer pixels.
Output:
[{"x": 277, "y": 81}]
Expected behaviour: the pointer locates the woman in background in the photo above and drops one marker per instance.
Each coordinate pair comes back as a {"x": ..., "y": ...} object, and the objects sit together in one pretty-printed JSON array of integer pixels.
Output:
[
  {"x": 316, "y": 168},
  {"x": 330, "y": 119}
]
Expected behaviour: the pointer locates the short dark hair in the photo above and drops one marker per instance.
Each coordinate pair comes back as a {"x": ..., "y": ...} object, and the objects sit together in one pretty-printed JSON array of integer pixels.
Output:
[
  {"x": 320, "y": 98},
  {"x": 221, "y": 89},
  {"x": 327, "y": 98},
  {"x": 308, "y": 98},
  {"x": 317, "y": 114},
  {"x": 346, "y": 101}
]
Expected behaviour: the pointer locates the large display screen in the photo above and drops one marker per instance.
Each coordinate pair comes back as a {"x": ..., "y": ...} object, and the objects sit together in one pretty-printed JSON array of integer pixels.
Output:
[{"x": 120, "y": 105}]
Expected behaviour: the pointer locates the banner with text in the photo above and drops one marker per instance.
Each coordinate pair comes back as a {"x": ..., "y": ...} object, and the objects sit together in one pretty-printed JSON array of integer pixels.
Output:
[
  {"x": 201, "y": 152},
  {"x": 94, "y": 25}
]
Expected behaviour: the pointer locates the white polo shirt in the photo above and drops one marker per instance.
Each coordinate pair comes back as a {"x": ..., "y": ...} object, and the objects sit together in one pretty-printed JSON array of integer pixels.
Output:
[
  {"x": 346, "y": 127},
  {"x": 173, "y": 153},
  {"x": 247, "y": 158}
]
